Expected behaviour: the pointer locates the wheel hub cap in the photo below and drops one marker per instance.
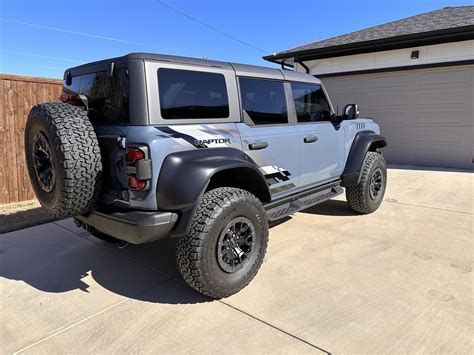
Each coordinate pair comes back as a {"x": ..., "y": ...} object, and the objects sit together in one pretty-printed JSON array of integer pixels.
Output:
[
  {"x": 235, "y": 245},
  {"x": 376, "y": 182},
  {"x": 43, "y": 162}
]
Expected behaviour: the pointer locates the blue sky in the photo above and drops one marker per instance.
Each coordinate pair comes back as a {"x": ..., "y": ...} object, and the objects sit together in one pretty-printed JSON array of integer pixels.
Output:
[{"x": 148, "y": 26}]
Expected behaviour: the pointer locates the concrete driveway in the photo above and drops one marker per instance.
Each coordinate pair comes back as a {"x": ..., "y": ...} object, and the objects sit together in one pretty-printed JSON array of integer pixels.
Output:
[{"x": 397, "y": 281}]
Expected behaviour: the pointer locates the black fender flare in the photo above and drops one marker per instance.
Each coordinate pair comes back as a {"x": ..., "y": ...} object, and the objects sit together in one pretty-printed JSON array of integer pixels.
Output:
[
  {"x": 363, "y": 142},
  {"x": 185, "y": 175}
]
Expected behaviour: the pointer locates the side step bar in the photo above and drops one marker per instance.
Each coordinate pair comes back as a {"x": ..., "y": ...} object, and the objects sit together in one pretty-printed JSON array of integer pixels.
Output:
[{"x": 302, "y": 200}]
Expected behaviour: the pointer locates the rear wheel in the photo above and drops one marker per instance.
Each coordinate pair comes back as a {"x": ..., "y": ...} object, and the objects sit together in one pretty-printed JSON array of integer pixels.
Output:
[
  {"x": 226, "y": 244},
  {"x": 63, "y": 159},
  {"x": 367, "y": 196}
]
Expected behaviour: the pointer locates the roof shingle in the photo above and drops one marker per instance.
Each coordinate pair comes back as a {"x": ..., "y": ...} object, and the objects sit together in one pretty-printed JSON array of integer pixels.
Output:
[{"x": 442, "y": 19}]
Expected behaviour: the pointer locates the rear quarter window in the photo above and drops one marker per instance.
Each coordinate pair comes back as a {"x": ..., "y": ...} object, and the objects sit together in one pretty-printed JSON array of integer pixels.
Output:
[
  {"x": 107, "y": 97},
  {"x": 264, "y": 101},
  {"x": 187, "y": 94}
]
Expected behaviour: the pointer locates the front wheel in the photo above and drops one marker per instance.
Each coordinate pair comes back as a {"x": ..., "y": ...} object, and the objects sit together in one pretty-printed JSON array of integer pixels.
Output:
[
  {"x": 226, "y": 244},
  {"x": 367, "y": 196}
]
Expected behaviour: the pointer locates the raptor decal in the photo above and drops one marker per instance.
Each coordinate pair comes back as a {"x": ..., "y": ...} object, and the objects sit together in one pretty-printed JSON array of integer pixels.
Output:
[
  {"x": 191, "y": 139},
  {"x": 175, "y": 134},
  {"x": 212, "y": 140}
]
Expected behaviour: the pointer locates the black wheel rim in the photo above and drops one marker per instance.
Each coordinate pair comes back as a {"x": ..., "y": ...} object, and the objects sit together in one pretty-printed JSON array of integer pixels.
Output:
[
  {"x": 236, "y": 244},
  {"x": 376, "y": 184},
  {"x": 43, "y": 162}
]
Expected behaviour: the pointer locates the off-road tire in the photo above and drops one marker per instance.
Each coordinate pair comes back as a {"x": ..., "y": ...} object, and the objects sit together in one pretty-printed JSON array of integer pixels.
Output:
[
  {"x": 75, "y": 158},
  {"x": 359, "y": 197},
  {"x": 196, "y": 252}
]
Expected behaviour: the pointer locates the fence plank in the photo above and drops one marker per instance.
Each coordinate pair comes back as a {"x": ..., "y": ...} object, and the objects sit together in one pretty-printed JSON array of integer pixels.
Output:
[
  {"x": 18, "y": 94},
  {"x": 3, "y": 146}
]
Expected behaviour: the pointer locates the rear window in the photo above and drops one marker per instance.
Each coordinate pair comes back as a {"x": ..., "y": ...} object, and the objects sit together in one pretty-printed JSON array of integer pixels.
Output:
[
  {"x": 264, "y": 101},
  {"x": 107, "y": 96},
  {"x": 186, "y": 94}
]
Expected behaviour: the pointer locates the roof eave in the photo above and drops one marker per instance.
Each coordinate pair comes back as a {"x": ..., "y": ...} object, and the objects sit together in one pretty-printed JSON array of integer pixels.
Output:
[{"x": 455, "y": 34}]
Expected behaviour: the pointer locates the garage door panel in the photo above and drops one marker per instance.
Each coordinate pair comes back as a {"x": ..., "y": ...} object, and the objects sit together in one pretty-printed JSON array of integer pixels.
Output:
[
  {"x": 386, "y": 117},
  {"x": 390, "y": 99},
  {"x": 436, "y": 155},
  {"x": 348, "y": 97},
  {"x": 447, "y": 78},
  {"x": 349, "y": 85},
  {"x": 396, "y": 133},
  {"x": 440, "y": 97},
  {"x": 445, "y": 135},
  {"x": 455, "y": 116},
  {"x": 396, "y": 153},
  {"x": 431, "y": 154},
  {"x": 392, "y": 82},
  {"x": 393, "y": 131},
  {"x": 426, "y": 114}
]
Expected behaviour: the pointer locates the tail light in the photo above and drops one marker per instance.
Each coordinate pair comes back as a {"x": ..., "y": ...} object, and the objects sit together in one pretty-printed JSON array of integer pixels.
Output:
[
  {"x": 135, "y": 184},
  {"x": 133, "y": 154},
  {"x": 138, "y": 167}
]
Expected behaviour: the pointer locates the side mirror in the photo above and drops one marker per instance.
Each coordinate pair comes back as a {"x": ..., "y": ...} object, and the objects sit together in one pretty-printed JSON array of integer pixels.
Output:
[{"x": 351, "y": 112}]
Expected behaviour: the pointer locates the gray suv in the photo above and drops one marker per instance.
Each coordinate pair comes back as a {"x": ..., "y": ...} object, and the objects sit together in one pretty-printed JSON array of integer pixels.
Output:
[{"x": 146, "y": 146}]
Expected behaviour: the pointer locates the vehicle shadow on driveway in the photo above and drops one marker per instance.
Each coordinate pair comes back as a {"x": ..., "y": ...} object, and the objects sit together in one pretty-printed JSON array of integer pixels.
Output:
[
  {"x": 57, "y": 258},
  {"x": 53, "y": 260},
  {"x": 331, "y": 208}
]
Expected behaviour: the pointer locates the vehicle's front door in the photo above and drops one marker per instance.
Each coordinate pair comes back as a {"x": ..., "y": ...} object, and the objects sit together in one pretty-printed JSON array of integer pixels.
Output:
[
  {"x": 322, "y": 143},
  {"x": 267, "y": 136}
]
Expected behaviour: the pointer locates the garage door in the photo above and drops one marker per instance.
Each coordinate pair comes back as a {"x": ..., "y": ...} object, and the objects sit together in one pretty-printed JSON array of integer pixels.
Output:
[{"x": 426, "y": 114}]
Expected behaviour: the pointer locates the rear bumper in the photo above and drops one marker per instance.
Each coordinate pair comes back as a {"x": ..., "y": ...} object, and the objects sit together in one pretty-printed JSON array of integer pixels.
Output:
[{"x": 136, "y": 227}]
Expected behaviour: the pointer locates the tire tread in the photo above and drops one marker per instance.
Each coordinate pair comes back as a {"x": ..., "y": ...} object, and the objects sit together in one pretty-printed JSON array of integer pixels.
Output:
[
  {"x": 189, "y": 249},
  {"x": 76, "y": 145},
  {"x": 356, "y": 195}
]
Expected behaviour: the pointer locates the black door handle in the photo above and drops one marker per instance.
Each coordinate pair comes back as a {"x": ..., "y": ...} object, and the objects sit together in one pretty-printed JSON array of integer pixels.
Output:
[
  {"x": 310, "y": 139},
  {"x": 258, "y": 146}
]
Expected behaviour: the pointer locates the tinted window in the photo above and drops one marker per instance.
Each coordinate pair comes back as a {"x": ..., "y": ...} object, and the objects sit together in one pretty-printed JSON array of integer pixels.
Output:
[
  {"x": 264, "y": 101},
  {"x": 186, "y": 94},
  {"x": 74, "y": 87},
  {"x": 107, "y": 97},
  {"x": 310, "y": 102}
]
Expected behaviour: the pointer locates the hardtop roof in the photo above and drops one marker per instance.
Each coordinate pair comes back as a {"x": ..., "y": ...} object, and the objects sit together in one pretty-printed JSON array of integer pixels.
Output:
[{"x": 240, "y": 69}]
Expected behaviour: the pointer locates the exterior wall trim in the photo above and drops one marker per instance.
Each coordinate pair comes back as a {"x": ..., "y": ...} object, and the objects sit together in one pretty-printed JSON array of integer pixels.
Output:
[{"x": 400, "y": 68}]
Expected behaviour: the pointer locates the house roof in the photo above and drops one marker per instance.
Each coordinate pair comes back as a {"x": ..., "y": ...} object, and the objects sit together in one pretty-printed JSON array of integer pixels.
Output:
[{"x": 448, "y": 24}]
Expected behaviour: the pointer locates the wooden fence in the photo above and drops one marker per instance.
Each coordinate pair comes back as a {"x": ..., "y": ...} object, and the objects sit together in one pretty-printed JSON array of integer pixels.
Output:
[{"x": 18, "y": 94}]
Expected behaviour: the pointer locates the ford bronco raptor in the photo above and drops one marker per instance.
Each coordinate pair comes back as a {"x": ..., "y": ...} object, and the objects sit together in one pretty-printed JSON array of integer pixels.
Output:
[{"x": 148, "y": 146}]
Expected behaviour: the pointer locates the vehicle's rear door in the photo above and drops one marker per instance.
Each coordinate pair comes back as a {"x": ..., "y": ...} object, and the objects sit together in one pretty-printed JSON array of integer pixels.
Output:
[{"x": 267, "y": 136}]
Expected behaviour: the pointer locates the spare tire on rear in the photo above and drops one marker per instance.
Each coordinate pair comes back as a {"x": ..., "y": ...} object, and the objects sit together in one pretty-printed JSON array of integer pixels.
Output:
[{"x": 63, "y": 159}]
